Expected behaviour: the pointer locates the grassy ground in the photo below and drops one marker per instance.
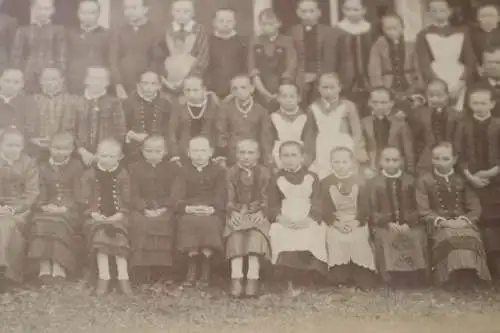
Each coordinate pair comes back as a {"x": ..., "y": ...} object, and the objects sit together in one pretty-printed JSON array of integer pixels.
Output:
[{"x": 71, "y": 308}]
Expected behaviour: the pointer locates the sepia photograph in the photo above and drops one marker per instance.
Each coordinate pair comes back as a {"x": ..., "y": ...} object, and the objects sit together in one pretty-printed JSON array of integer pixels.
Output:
[{"x": 253, "y": 166}]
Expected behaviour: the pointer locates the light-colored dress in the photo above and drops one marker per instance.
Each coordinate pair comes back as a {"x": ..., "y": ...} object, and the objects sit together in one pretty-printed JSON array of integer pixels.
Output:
[
  {"x": 332, "y": 133},
  {"x": 296, "y": 207},
  {"x": 286, "y": 130},
  {"x": 353, "y": 247},
  {"x": 446, "y": 51},
  {"x": 180, "y": 62}
]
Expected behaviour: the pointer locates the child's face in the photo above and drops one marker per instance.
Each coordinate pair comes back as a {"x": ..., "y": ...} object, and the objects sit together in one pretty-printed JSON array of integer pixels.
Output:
[
  {"x": 353, "y": 10},
  {"x": 12, "y": 145},
  {"x": 88, "y": 13},
  {"x": 154, "y": 151},
  {"x": 342, "y": 163},
  {"x": 200, "y": 152},
  {"x": 440, "y": 11},
  {"x": 288, "y": 97},
  {"x": 51, "y": 81},
  {"x": 42, "y": 10},
  {"x": 488, "y": 17},
  {"x": 269, "y": 26},
  {"x": 391, "y": 161},
  {"x": 224, "y": 21},
  {"x": 108, "y": 156},
  {"x": 392, "y": 27},
  {"x": 481, "y": 103},
  {"x": 291, "y": 157},
  {"x": 248, "y": 153},
  {"x": 194, "y": 90},
  {"x": 443, "y": 159},
  {"x": 182, "y": 11},
  {"x": 491, "y": 64},
  {"x": 381, "y": 103},
  {"x": 309, "y": 12},
  {"x": 242, "y": 88},
  {"x": 437, "y": 96},
  {"x": 135, "y": 10},
  {"x": 97, "y": 80},
  {"x": 329, "y": 88},
  {"x": 60, "y": 150},
  {"x": 11, "y": 82},
  {"x": 149, "y": 85}
]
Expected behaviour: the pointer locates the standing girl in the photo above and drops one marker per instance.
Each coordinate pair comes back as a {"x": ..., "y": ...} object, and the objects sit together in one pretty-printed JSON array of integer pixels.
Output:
[
  {"x": 289, "y": 121},
  {"x": 332, "y": 122}
]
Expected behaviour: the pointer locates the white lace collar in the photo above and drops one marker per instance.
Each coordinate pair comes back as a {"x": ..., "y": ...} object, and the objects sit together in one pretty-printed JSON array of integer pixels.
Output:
[
  {"x": 91, "y": 97},
  {"x": 395, "y": 176},
  {"x": 221, "y": 36},
  {"x": 188, "y": 27},
  {"x": 359, "y": 28},
  {"x": 445, "y": 176}
]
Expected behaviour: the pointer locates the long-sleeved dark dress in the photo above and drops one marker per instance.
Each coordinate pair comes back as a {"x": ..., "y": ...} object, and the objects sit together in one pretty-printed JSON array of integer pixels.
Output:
[
  {"x": 143, "y": 116},
  {"x": 247, "y": 191},
  {"x": 194, "y": 187},
  {"x": 131, "y": 53},
  {"x": 235, "y": 123},
  {"x": 392, "y": 200},
  {"x": 36, "y": 47},
  {"x": 19, "y": 190},
  {"x": 101, "y": 118},
  {"x": 18, "y": 112},
  {"x": 152, "y": 237},
  {"x": 85, "y": 49},
  {"x": 187, "y": 121},
  {"x": 56, "y": 236},
  {"x": 106, "y": 193},
  {"x": 228, "y": 57},
  {"x": 380, "y": 133},
  {"x": 477, "y": 144},
  {"x": 431, "y": 126},
  {"x": 451, "y": 198}
]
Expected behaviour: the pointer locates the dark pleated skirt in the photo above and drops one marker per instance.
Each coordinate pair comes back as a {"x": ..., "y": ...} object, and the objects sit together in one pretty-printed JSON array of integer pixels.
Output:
[
  {"x": 458, "y": 249},
  {"x": 198, "y": 232},
  {"x": 398, "y": 252},
  {"x": 152, "y": 240},
  {"x": 53, "y": 237}
]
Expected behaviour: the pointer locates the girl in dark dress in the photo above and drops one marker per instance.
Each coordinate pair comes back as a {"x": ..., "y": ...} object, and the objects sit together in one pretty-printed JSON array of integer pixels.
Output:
[
  {"x": 152, "y": 222},
  {"x": 56, "y": 220},
  {"x": 199, "y": 196},
  {"x": 247, "y": 227},
  {"x": 478, "y": 138},
  {"x": 105, "y": 197}
]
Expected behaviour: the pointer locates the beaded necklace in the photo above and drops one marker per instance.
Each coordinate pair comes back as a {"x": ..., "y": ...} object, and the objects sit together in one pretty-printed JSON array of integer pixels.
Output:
[{"x": 245, "y": 110}]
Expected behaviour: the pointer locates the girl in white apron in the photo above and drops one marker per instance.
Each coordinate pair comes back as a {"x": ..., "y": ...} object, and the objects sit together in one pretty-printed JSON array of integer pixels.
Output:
[{"x": 350, "y": 254}]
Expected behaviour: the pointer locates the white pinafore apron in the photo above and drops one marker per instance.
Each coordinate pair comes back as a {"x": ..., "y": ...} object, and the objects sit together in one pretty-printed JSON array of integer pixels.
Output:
[
  {"x": 296, "y": 206},
  {"x": 330, "y": 136},
  {"x": 287, "y": 130},
  {"x": 353, "y": 247},
  {"x": 446, "y": 51}
]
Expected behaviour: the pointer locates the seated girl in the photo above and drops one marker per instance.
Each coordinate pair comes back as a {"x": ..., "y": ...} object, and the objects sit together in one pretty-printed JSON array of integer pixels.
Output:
[
  {"x": 451, "y": 209},
  {"x": 345, "y": 211},
  {"x": 297, "y": 233}
]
